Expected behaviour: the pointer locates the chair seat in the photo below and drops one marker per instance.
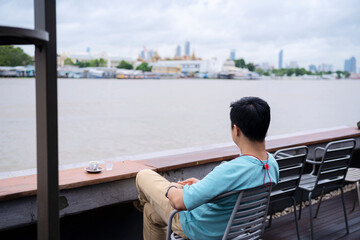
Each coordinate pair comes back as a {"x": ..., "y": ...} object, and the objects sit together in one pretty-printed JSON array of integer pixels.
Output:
[
  {"x": 307, "y": 182},
  {"x": 353, "y": 175},
  {"x": 276, "y": 193}
]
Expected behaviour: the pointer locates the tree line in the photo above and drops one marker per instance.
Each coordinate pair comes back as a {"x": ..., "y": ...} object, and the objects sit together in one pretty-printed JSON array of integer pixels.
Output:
[
  {"x": 143, "y": 66},
  {"x": 14, "y": 56},
  {"x": 285, "y": 71},
  {"x": 92, "y": 63},
  {"x": 103, "y": 63}
]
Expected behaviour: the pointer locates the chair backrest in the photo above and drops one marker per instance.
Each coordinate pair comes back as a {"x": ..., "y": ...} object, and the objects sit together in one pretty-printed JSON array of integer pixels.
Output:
[
  {"x": 336, "y": 159},
  {"x": 291, "y": 163},
  {"x": 247, "y": 220}
]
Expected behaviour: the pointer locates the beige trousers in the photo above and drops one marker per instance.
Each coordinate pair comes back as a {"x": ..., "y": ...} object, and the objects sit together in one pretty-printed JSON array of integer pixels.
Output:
[{"x": 156, "y": 207}]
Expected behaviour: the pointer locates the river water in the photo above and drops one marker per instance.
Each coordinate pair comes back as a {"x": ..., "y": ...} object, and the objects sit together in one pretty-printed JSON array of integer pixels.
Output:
[{"x": 103, "y": 118}]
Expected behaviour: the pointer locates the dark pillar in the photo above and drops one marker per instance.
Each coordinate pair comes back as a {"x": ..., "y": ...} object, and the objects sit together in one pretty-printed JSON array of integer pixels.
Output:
[{"x": 47, "y": 123}]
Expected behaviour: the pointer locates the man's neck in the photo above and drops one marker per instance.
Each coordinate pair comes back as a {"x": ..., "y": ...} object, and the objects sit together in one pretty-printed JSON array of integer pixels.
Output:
[{"x": 253, "y": 148}]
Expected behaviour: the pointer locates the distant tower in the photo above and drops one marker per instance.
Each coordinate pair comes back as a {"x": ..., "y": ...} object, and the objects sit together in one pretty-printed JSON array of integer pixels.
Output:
[
  {"x": 232, "y": 54},
  {"x": 347, "y": 65},
  {"x": 178, "y": 51},
  {"x": 350, "y": 65},
  {"x": 150, "y": 54},
  {"x": 294, "y": 64},
  {"x": 312, "y": 68},
  {"x": 187, "y": 48},
  {"x": 281, "y": 59},
  {"x": 353, "y": 64},
  {"x": 142, "y": 54},
  {"x": 325, "y": 67}
]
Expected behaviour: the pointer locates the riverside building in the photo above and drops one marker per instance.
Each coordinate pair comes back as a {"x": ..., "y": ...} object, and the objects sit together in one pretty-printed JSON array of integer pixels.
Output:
[{"x": 187, "y": 67}]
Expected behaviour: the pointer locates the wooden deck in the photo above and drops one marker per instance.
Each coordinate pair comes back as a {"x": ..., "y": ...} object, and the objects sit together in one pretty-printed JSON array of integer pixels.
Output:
[
  {"x": 329, "y": 225},
  {"x": 123, "y": 221}
]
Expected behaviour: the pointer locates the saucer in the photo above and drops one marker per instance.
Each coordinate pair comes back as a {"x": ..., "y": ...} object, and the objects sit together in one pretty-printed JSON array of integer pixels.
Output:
[{"x": 99, "y": 169}]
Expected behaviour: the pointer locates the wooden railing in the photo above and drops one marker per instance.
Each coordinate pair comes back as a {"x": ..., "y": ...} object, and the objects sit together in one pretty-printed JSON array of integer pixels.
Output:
[{"x": 18, "y": 187}]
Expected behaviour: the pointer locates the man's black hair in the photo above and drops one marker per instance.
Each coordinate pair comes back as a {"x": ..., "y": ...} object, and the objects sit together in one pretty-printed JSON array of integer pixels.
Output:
[{"x": 252, "y": 116}]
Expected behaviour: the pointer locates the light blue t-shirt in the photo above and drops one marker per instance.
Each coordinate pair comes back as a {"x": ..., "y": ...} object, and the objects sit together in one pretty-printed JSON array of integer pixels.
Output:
[{"x": 208, "y": 221}]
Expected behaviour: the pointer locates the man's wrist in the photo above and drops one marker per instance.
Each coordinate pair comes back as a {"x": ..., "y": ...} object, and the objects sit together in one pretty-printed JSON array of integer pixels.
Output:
[{"x": 167, "y": 191}]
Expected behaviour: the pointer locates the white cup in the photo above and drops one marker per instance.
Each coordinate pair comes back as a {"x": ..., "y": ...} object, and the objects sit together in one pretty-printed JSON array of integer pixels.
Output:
[{"x": 93, "y": 165}]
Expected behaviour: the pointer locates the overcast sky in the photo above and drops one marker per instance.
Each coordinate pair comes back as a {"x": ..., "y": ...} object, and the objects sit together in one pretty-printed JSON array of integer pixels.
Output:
[{"x": 309, "y": 31}]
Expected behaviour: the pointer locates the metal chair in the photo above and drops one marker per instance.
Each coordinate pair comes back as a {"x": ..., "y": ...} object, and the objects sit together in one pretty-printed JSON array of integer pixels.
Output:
[
  {"x": 291, "y": 163},
  {"x": 247, "y": 220},
  {"x": 329, "y": 172},
  {"x": 353, "y": 175}
]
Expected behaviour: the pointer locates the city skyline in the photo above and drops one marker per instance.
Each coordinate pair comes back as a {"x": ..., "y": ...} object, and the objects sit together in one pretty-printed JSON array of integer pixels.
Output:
[{"x": 309, "y": 32}]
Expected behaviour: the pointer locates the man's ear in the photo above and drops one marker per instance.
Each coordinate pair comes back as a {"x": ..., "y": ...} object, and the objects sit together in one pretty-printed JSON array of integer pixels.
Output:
[{"x": 238, "y": 131}]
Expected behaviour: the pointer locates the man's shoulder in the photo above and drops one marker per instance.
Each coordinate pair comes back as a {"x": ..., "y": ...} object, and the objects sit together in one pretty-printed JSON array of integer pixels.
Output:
[{"x": 272, "y": 160}]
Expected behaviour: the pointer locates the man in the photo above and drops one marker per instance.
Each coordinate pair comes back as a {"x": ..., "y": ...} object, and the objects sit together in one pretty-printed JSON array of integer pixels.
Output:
[{"x": 250, "y": 119}]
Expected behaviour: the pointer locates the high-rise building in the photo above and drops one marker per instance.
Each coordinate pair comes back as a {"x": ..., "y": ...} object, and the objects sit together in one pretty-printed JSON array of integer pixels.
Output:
[
  {"x": 350, "y": 65},
  {"x": 178, "y": 51},
  {"x": 294, "y": 64},
  {"x": 312, "y": 68},
  {"x": 150, "y": 54},
  {"x": 325, "y": 67},
  {"x": 353, "y": 64},
  {"x": 187, "y": 48},
  {"x": 232, "y": 54},
  {"x": 347, "y": 65},
  {"x": 142, "y": 54},
  {"x": 281, "y": 59}
]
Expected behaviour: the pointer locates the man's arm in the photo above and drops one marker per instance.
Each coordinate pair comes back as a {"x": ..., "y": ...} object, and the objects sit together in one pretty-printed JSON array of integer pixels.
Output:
[
  {"x": 175, "y": 196},
  {"x": 188, "y": 181}
]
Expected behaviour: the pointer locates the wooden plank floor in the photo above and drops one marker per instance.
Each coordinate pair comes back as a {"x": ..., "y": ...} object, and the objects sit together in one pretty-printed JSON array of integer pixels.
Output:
[{"x": 330, "y": 223}]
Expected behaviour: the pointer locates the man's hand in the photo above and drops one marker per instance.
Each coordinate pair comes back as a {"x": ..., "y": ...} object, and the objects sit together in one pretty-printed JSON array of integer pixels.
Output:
[
  {"x": 188, "y": 181},
  {"x": 175, "y": 196}
]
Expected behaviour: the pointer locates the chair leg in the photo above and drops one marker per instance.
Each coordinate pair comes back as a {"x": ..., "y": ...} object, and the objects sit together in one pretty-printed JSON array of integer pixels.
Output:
[
  {"x": 355, "y": 197},
  {"x": 358, "y": 192},
  {"x": 301, "y": 200},
  {"x": 345, "y": 215},
  {"x": 270, "y": 220},
  {"x": 321, "y": 197},
  {"x": 311, "y": 219},
  {"x": 296, "y": 220}
]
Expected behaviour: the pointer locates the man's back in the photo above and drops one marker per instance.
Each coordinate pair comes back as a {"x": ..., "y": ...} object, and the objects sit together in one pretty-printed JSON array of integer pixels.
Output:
[{"x": 209, "y": 220}]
